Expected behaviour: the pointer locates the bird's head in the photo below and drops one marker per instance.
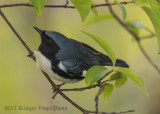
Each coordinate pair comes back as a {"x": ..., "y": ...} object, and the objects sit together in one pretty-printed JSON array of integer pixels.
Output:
[
  {"x": 50, "y": 37},
  {"x": 49, "y": 41},
  {"x": 45, "y": 39}
]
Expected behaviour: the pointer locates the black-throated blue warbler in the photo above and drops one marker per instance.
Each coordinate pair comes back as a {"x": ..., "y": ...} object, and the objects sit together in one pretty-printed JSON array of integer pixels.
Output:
[{"x": 68, "y": 60}]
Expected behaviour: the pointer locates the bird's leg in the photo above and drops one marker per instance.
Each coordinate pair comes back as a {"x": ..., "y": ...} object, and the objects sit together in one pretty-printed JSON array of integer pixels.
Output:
[
  {"x": 56, "y": 90},
  {"x": 31, "y": 55},
  {"x": 59, "y": 85}
]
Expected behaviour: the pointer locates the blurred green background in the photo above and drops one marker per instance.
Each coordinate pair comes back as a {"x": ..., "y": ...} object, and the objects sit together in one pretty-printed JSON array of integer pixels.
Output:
[{"x": 23, "y": 84}]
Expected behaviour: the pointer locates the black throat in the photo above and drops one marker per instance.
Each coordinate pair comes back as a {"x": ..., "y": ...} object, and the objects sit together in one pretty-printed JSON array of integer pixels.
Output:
[{"x": 48, "y": 48}]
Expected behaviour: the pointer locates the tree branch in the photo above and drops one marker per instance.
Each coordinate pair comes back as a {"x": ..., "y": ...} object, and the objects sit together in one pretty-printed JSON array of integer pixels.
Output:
[
  {"x": 152, "y": 34},
  {"x": 15, "y": 32},
  {"x": 61, "y": 6},
  {"x": 97, "y": 96},
  {"x": 147, "y": 37},
  {"x": 92, "y": 86},
  {"x": 137, "y": 38}
]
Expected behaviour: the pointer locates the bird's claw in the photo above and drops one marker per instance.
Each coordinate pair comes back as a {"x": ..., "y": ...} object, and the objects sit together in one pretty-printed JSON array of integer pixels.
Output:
[
  {"x": 56, "y": 90},
  {"x": 31, "y": 55}
]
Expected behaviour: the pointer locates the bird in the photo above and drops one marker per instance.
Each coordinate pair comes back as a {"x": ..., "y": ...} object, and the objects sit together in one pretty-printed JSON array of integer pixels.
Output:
[{"x": 66, "y": 59}]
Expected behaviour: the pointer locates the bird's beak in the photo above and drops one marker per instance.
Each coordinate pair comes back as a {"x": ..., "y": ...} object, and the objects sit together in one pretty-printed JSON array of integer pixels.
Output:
[{"x": 38, "y": 30}]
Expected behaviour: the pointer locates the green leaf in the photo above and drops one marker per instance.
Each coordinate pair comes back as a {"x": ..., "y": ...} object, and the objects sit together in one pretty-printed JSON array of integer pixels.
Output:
[
  {"x": 83, "y": 7},
  {"x": 129, "y": 73},
  {"x": 94, "y": 74},
  {"x": 98, "y": 18},
  {"x": 107, "y": 92},
  {"x": 104, "y": 45},
  {"x": 155, "y": 21},
  {"x": 38, "y": 5},
  {"x": 94, "y": 10},
  {"x": 141, "y": 1},
  {"x": 121, "y": 79},
  {"x": 122, "y": 9},
  {"x": 155, "y": 7}
]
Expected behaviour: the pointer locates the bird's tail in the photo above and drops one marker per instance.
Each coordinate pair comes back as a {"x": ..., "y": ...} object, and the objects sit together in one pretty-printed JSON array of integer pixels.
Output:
[{"x": 119, "y": 63}]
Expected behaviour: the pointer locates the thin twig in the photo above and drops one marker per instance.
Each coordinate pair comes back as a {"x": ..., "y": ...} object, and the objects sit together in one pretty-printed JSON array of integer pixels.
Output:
[
  {"x": 60, "y": 6},
  {"x": 113, "y": 112},
  {"x": 147, "y": 37},
  {"x": 54, "y": 96},
  {"x": 81, "y": 89},
  {"x": 147, "y": 57},
  {"x": 101, "y": 89},
  {"x": 152, "y": 34},
  {"x": 15, "y": 32},
  {"x": 137, "y": 38},
  {"x": 89, "y": 87},
  {"x": 106, "y": 75},
  {"x": 126, "y": 27},
  {"x": 150, "y": 31}
]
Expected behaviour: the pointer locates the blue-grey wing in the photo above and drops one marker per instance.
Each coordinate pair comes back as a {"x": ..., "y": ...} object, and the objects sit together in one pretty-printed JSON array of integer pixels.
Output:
[{"x": 75, "y": 68}]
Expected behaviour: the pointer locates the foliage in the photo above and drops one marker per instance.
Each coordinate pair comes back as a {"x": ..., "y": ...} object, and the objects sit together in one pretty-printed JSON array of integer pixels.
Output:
[
  {"x": 154, "y": 15},
  {"x": 104, "y": 45},
  {"x": 38, "y": 5},
  {"x": 94, "y": 74},
  {"x": 120, "y": 79},
  {"x": 95, "y": 19},
  {"x": 107, "y": 92},
  {"x": 83, "y": 7},
  {"x": 124, "y": 14}
]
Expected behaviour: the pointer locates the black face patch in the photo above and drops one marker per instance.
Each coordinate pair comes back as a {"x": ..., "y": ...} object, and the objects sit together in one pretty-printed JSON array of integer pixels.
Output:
[{"x": 48, "y": 47}]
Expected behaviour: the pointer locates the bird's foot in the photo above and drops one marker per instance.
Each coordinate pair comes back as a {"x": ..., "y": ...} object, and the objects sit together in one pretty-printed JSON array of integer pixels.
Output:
[
  {"x": 31, "y": 55},
  {"x": 56, "y": 90}
]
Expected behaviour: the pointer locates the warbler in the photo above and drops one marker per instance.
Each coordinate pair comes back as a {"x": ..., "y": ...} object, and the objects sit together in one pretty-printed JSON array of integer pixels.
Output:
[{"x": 68, "y": 60}]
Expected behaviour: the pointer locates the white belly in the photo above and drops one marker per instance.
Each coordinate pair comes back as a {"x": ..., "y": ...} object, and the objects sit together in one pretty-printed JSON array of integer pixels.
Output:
[{"x": 45, "y": 65}]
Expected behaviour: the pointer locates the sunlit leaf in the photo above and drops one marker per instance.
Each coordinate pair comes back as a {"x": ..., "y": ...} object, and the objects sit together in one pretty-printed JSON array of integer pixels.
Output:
[
  {"x": 98, "y": 18},
  {"x": 155, "y": 21},
  {"x": 107, "y": 92},
  {"x": 122, "y": 9},
  {"x": 38, "y": 5},
  {"x": 83, "y": 7},
  {"x": 155, "y": 7},
  {"x": 94, "y": 74},
  {"x": 104, "y": 45},
  {"x": 141, "y": 2},
  {"x": 129, "y": 73},
  {"x": 94, "y": 9},
  {"x": 120, "y": 79}
]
